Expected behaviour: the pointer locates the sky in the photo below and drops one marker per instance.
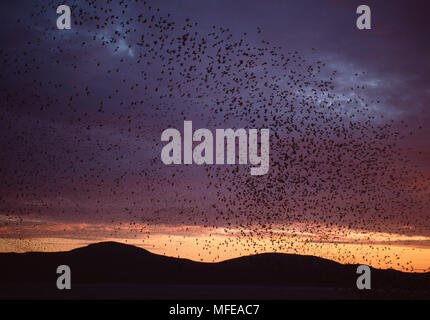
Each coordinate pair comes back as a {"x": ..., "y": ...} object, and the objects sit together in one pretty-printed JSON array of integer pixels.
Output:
[{"x": 82, "y": 112}]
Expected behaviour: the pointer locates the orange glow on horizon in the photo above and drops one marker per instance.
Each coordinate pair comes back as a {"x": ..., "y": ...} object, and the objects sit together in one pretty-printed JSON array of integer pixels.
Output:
[{"x": 206, "y": 248}]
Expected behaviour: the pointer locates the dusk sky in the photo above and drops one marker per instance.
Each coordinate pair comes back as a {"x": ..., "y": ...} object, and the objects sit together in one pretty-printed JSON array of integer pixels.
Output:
[{"x": 82, "y": 112}]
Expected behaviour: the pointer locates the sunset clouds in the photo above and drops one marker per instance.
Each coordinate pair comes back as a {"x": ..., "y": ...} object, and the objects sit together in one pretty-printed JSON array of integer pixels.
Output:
[{"x": 82, "y": 113}]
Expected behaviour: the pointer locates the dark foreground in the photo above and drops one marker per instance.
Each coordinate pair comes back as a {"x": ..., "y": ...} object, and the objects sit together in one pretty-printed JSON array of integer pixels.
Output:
[
  {"x": 116, "y": 271},
  {"x": 193, "y": 292}
]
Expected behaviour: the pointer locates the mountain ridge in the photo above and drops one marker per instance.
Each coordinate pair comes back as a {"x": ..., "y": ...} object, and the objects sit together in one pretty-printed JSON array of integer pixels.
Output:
[{"x": 122, "y": 264}]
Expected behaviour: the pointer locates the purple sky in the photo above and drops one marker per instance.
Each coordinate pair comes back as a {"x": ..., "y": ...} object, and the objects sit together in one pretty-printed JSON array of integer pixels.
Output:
[{"x": 81, "y": 115}]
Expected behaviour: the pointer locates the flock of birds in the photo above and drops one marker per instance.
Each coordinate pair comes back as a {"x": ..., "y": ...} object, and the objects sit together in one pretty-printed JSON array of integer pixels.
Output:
[{"x": 82, "y": 111}]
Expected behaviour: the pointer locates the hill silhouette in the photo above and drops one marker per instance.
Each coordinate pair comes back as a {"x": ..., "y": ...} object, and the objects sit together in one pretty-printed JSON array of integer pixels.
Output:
[{"x": 111, "y": 270}]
